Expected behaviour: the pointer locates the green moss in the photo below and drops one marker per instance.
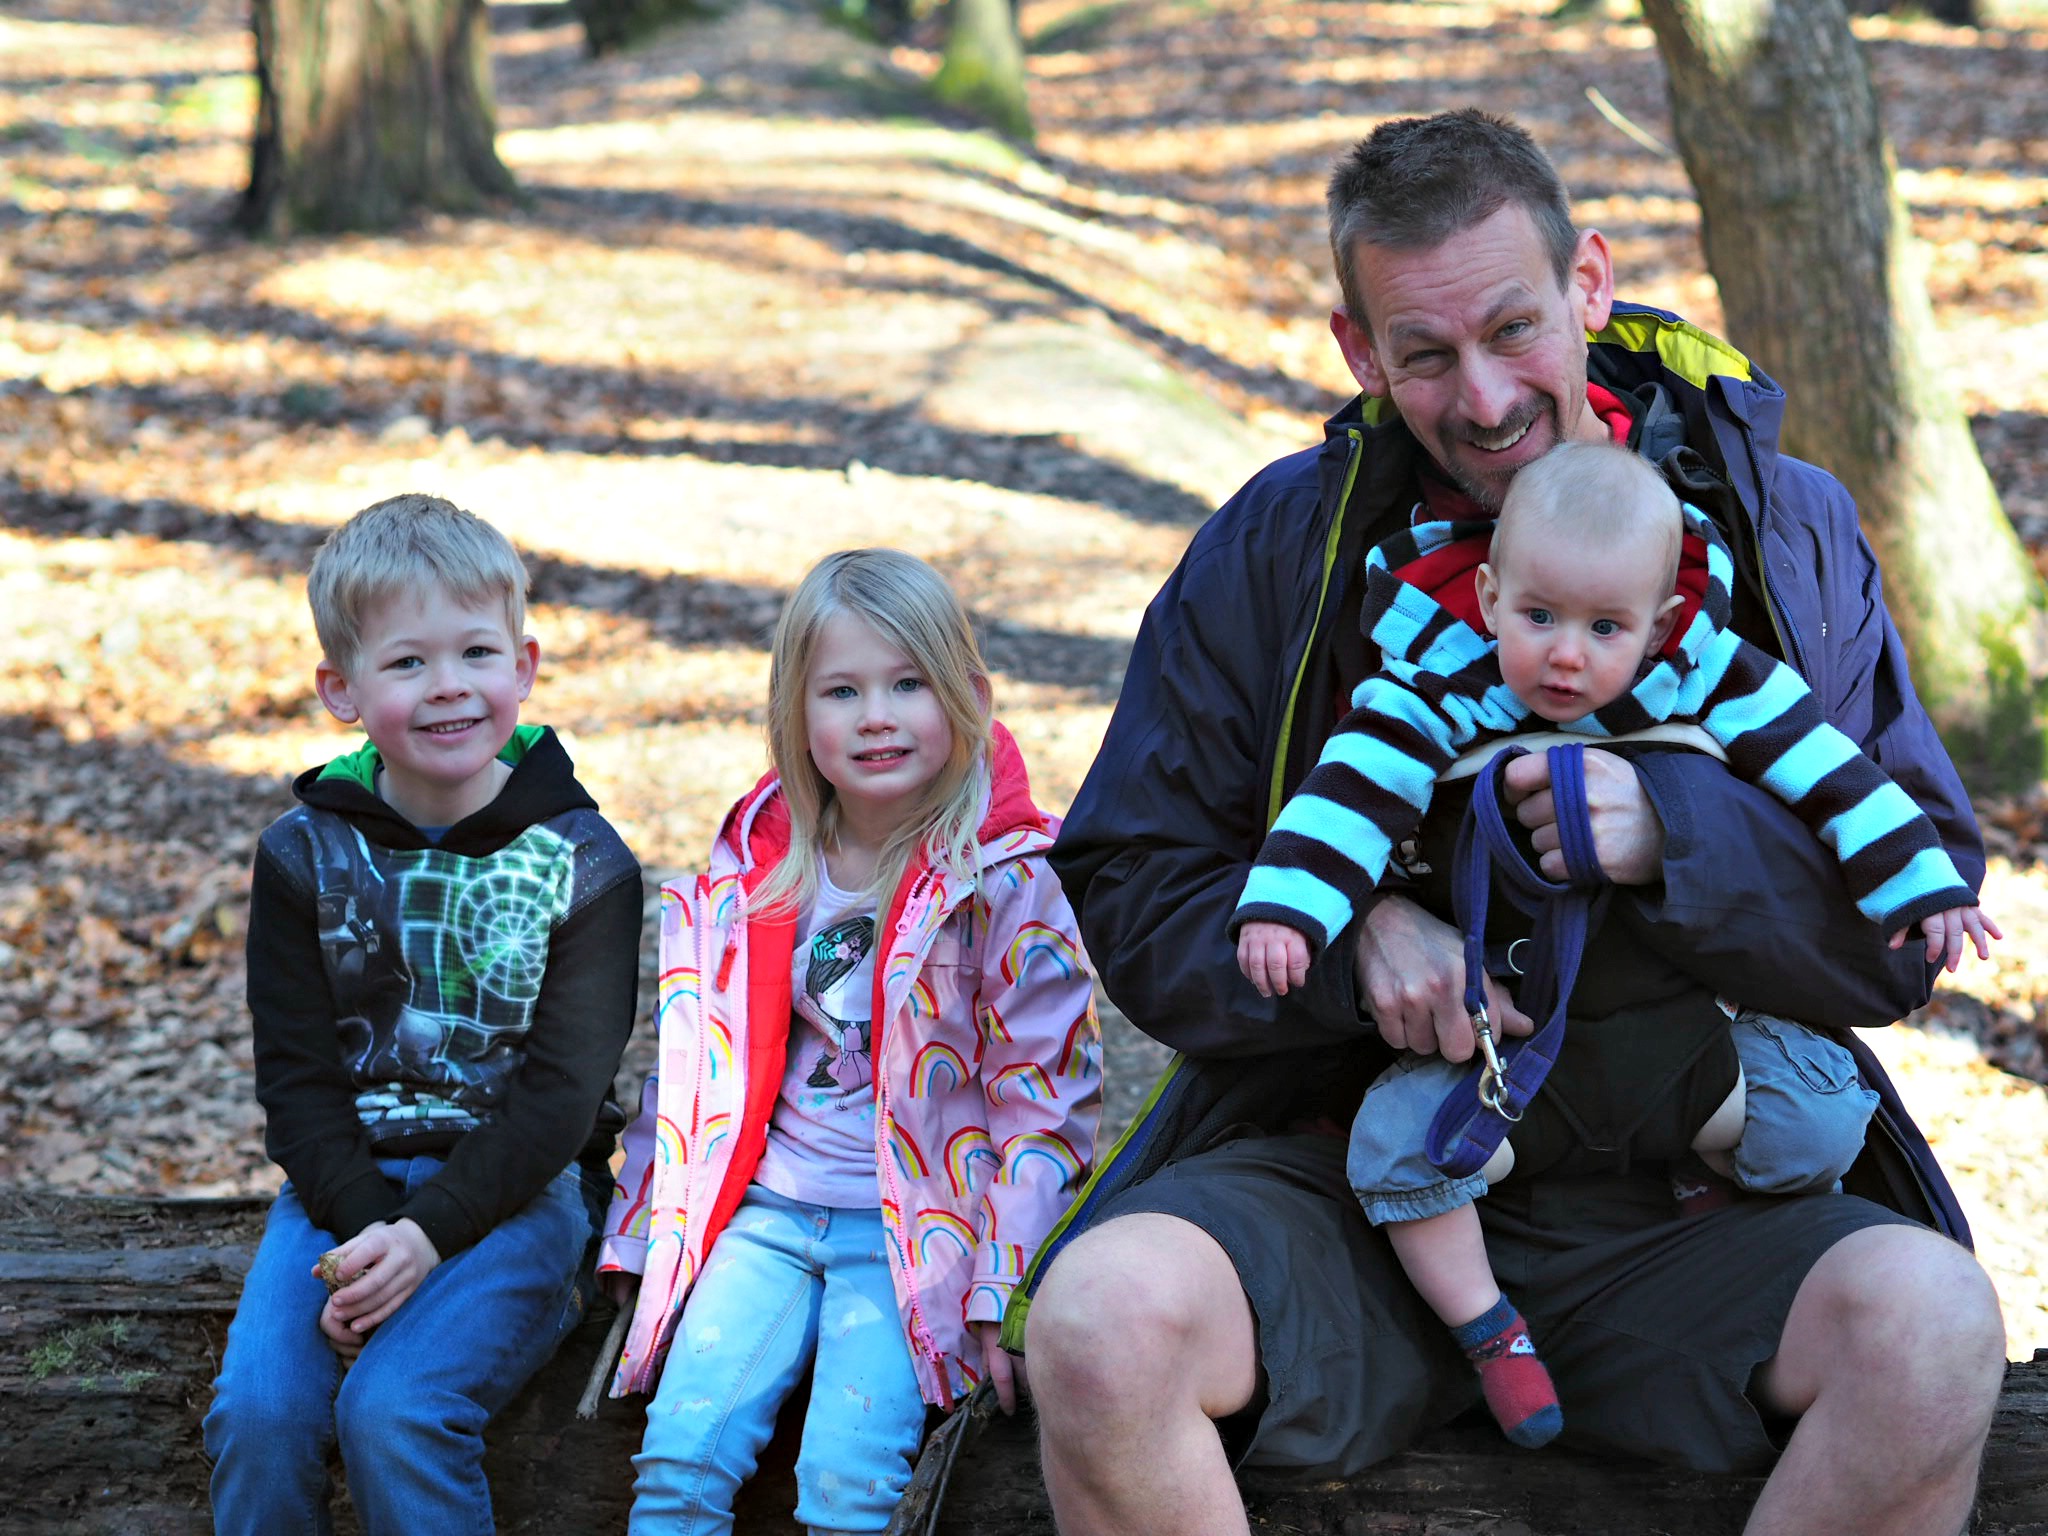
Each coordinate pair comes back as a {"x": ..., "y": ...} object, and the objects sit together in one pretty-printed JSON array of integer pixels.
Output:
[
  {"x": 2001, "y": 747},
  {"x": 92, "y": 1346}
]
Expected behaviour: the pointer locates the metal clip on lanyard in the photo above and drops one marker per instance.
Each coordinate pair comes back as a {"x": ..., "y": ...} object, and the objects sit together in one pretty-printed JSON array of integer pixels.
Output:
[{"x": 1474, "y": 1117}]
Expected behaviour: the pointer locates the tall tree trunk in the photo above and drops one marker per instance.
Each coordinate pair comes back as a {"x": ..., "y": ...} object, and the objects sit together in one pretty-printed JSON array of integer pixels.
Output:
[
  {"x": 368, "y": 110},
  {"x": 983, "y": 68},
  {"x": 1824, "y": 286}
]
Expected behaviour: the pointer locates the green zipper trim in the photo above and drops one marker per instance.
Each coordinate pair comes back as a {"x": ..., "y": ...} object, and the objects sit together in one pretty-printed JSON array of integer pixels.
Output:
[
  {"x": 1019, "y": 1307},
  {"x": 1276, "y": 792}
]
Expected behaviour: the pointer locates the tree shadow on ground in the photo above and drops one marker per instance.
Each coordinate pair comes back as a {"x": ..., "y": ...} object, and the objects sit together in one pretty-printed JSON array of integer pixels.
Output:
[{"x": 688, "y": 612}]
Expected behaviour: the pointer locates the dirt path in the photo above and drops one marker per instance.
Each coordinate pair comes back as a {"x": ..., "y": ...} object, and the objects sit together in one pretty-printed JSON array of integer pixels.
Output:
[{"x": 757, "y": 308}]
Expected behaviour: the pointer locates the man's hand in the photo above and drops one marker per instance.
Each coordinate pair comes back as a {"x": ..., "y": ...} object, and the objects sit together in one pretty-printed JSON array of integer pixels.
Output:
[
  {"x": 1004, "y": 1371},
  {"x": 1628, "y": 837},
  {"x": 1946, "y": 933},
  {"x": 1273, "y": 957},
  {"x": 379, "y": 1268},
  {"x": 1411, "y": 973}
]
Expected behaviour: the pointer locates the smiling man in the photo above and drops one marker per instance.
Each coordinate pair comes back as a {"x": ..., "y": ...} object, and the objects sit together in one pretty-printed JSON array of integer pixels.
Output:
[{"x": 1217, "y": 1299}]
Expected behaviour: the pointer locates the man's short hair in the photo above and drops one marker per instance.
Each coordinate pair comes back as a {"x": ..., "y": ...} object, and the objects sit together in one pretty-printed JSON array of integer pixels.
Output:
[
  {"x": 1413, "y": 183},
  {"x": 406, "y": 544}
]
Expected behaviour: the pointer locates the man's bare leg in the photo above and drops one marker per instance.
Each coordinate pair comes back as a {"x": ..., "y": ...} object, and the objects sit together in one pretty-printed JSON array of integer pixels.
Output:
[
  {"x": 1893, "y": 1354},
  {"x": 1140, "y": 1339}
]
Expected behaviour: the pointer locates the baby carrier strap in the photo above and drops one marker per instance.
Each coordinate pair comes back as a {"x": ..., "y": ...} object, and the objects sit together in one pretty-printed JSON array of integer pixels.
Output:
[{"x": 1474, "y": 1117}]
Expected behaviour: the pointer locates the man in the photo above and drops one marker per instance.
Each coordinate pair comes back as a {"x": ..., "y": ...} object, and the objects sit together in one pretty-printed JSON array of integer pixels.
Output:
[{"x": 1224, "y": 1303}]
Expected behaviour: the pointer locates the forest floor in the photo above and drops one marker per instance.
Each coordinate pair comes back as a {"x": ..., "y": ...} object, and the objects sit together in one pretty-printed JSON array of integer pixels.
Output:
[{"x": 759, "y": 303}]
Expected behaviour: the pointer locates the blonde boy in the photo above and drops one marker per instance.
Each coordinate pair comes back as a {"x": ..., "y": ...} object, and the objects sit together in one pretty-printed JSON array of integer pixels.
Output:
[{"x": 443, "y": 944}]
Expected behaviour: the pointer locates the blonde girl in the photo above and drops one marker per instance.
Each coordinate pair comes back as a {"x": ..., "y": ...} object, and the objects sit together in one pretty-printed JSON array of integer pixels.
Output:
[{"x": 879, "y": 1071}]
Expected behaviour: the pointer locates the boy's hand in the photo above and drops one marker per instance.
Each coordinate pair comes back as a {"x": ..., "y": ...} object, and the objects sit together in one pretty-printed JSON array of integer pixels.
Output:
[
  {"x": 379, "y": 1268},
  {"x": 1946, "y": 931},
  {"x": 1273, "y": 957},
  {"x": 345, "y": 1341},
  {"x": 1005, "y": 1372}
]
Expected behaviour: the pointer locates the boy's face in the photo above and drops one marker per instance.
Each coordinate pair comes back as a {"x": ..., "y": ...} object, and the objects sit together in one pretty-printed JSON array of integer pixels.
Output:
[
  {"x": 1574, "y": 624},
  {"x": 437, "y": 687}
]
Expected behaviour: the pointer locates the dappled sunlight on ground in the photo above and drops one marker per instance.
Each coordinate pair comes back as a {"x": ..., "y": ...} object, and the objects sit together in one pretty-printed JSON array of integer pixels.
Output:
[{"x": 760, "y": 305}]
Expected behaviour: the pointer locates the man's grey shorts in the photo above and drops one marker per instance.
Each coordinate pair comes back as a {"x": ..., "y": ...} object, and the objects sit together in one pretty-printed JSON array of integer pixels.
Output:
[{"x": 1652, "y": 1326}]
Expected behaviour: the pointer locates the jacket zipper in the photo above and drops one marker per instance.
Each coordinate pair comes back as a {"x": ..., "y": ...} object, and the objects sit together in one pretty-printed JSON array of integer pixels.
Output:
[{"x": 921, "y": 1333}]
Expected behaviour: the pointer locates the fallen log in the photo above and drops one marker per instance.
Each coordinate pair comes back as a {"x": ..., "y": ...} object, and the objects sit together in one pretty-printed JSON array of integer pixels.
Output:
[{"x": 113, "y": 1313}]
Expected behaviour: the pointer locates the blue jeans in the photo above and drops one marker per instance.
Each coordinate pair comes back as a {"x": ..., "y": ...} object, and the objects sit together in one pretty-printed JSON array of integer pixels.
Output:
[
  {"x": 409, "y": 1414},
  {"x": 1804, "y": 1114},
  {"x": 785, "y": 1281}
]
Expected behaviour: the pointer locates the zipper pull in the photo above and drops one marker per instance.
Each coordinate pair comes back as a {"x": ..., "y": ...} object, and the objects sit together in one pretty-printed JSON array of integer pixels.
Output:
[{"x": 725, "y": 961}]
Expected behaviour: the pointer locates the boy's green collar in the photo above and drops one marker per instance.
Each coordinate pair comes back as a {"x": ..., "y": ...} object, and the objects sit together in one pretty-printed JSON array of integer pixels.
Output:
[{"x": 360, "y": 766}]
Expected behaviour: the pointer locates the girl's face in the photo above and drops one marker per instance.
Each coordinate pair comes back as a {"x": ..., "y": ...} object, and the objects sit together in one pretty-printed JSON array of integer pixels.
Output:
[{"x": 876, "y": 729}]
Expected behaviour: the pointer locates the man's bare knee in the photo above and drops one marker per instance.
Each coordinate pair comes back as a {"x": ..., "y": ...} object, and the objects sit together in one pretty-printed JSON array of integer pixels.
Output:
[
  {"x": 1907, "y": 1314},
  {"x": 1143, "y": 1307}
]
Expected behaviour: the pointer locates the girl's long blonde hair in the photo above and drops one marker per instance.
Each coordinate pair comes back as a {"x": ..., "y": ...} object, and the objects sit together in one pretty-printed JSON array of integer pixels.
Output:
[{"x": 911, "y": 606}]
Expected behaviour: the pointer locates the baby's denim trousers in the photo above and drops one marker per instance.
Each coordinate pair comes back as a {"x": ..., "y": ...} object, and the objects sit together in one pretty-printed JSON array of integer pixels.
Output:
[
  {"x": 786, "y": 1281},
  {"x": 1804, "y": 1114},
  {"x": 409, "y": 1414}
]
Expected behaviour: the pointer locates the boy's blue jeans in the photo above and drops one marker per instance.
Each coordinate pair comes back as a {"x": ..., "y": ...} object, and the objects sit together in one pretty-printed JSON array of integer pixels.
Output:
[
  {"x": 409, "y": 1414},
  {"x": 1804, "y": 1114},
  {"x": 786, "y": 1280}
]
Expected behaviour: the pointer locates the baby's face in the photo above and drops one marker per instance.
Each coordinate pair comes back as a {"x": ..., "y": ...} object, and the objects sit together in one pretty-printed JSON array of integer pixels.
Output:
[{"x": 1574, "y": 625}]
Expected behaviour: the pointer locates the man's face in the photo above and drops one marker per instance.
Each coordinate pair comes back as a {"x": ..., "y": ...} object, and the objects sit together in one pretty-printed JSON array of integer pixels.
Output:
[{"x": 1477, "y": 346}]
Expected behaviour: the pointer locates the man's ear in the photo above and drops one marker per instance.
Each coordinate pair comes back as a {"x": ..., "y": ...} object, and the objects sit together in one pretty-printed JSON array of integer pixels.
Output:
[
  {"x": 1667, "y": 616},
  {"x": 1590, "y": 283},
  {"x": 1489, "y": 594},
  {"x": 1355, "y": 342},
  {"x": 526, "y": 662},
  {"x": 333, "y": 690}
]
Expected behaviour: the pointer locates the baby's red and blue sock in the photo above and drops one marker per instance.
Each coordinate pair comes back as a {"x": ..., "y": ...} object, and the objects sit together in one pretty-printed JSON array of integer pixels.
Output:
[{"x": 1517, "y": 1386}]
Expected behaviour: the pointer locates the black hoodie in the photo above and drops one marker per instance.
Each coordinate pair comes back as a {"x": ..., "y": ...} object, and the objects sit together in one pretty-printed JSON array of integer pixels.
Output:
[{"x": 467, "y": 998}]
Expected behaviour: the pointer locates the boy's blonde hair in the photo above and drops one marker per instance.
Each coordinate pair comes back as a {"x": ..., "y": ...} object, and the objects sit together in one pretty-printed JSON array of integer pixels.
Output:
[
  {"x": 910, "y": 605},
  {"x": 405, "y": 544},
  {"x": 1601, "y": 494}
]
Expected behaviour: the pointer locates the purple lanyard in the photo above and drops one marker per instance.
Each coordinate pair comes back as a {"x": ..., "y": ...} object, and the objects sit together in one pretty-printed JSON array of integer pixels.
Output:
[{"x": 1474, "y": 1117}]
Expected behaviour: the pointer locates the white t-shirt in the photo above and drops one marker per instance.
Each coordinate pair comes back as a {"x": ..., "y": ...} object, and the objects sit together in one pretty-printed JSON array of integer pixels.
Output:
[{"x": 821, "y": 1138}]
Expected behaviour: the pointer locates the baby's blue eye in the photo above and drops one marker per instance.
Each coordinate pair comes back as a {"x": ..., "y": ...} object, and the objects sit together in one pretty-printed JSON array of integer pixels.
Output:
[
  {"x": 1539, "y": 615},
  {"x": 1606, "y": 628}
]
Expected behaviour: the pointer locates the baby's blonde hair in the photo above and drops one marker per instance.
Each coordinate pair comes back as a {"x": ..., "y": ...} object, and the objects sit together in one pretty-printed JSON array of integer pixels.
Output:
[
  {"x": 406, "y": 544},
  {"x": 1601, "y": 494},
  {"x": 910, "y": 605}
]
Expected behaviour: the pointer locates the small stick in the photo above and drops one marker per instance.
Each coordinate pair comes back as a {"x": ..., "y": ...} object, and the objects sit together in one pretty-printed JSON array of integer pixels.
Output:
[
  {"x": 607, "y": 1356},
  {"x": 1615, "y": 115}
]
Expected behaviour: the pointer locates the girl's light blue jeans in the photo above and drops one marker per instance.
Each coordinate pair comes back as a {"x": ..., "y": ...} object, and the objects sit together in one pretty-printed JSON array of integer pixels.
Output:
[
  {"x": 409, "y": 1414},
  {"x": 785, "y": 1281}
]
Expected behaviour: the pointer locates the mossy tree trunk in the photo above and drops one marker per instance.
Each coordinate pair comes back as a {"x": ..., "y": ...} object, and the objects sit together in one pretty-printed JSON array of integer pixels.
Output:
[
  {"x": 983, "y": 68},
  {"x": 1824, "y": 287},
  {"x": 368, "y": 110}
]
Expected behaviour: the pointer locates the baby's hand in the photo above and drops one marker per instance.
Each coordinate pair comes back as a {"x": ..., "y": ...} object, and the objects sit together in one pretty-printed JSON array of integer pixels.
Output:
[
  {"x": 1946, "y": 931},
  {"x": 1273, "y": 957}
]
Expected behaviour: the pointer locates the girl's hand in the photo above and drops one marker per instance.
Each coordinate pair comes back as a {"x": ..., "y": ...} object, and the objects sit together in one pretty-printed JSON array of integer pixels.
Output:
[
  {"x": 380, "y": 1267},
  {"x": 1947, "y": 931},
  {"x": 1004, "y": 1371},
  {"x": 619, "y": 1286}
]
